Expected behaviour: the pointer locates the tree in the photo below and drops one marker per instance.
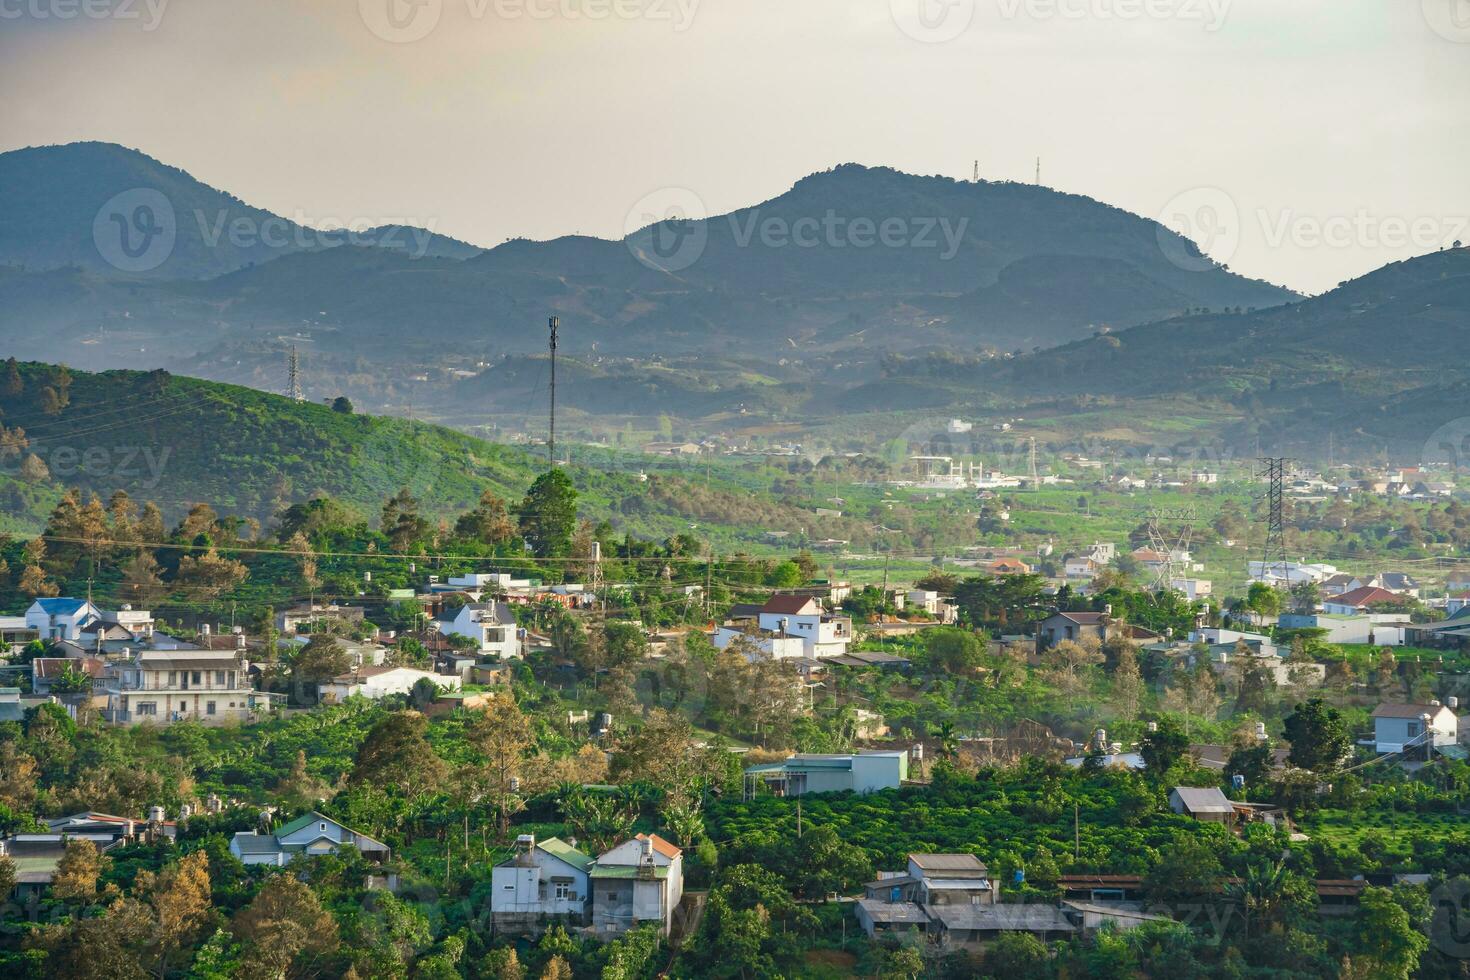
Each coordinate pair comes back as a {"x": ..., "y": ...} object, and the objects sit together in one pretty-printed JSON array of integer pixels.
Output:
[
  {"x": 141, "y": 581},
  {"x": 342, "y": 405},
  {"x": 401, "y": 522},
  {"x": 1127, "y": 684},
  {"x": 397, "y": 754},
  {"x": 954, "y": 651},
  {"x": 488, "y": 523},
  {"x": 321, "y": 659},
  {"x": 1387, "y": 936},
  {"x": 501, "y": 733},
  {"x": 299, "y": 789},
  {"x": 283, "y": 930},
  {"x": 179, "y": 899},
  {"x": 77, "y": 873},
  {"x": 209, "y": 575},
  {"x": 1067, "y": 661},
  {"x": 1263, "y": 600},
  {"x": 1188, "y": 870},
  {"x": 1319, "y": 737},
  {"x": 7, "y": 875},
  {"x": 548, "y": 515},
  {"x": 1163, "y": 747},
  {"x": 557, "y": 969}
]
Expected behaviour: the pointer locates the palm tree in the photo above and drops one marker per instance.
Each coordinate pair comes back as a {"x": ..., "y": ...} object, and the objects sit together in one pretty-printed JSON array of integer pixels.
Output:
[{"x": 949, "y": 741}]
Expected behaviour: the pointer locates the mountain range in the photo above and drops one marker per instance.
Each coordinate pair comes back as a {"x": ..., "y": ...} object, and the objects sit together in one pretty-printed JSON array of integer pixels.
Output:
[{"x": 853, "y": 258}]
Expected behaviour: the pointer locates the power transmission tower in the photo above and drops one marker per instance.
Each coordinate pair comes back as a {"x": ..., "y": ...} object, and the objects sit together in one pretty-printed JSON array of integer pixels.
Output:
[
  {"x": 1173, "y": 547},
  {"x": 554, "y": 323},
  {"x": 293, "y": 376},
  {"x": 1275, "y": 549},
  {"x": 1035, "y": 480},
  {"x": 1038, "y": 171},
  {"x": 977, "y": 171}
]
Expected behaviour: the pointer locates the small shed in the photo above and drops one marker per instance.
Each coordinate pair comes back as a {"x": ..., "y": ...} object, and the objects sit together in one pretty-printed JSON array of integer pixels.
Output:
[{"x": 1210, "y": 805}]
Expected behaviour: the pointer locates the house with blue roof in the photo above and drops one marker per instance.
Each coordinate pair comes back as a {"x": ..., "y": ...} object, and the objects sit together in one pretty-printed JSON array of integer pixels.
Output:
[{"x": 61, "y": 619}]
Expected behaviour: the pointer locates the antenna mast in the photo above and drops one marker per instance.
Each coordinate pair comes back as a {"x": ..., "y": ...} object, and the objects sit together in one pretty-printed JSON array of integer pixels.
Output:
[
  {"x": 977, "y": 171},
  {"x": 553, "y": 323},
  {"x": 1038, "y": 171}
]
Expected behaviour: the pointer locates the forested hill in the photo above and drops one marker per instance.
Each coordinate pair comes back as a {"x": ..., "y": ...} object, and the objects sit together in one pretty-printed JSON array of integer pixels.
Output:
[
  {"x": 179, "y": 441},
  {"x": 1372, "y": 364}
]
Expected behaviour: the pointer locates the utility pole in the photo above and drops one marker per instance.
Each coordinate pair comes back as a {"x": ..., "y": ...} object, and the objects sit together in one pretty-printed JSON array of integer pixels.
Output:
[
  {"x": 553, "y": 323},
  {"x": 1076, "y": 832},
  {"x": 798, "y": 818}
]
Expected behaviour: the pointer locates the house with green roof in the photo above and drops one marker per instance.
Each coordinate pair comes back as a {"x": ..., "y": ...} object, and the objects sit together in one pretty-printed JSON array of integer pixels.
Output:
[
  {"x": 542, "y": 882},
  {"x": 310, "y": 834}
]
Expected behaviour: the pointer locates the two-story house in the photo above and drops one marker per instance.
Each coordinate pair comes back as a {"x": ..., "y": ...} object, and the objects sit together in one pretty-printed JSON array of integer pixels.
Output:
[
  {"x": 921, "y": 894},
  {"x": 822, "y": 635},
  {"x": 311, "y": 834},
  {"x": 491, "y": 625},
  {"x": 61, "y": 618},
  {"x": 165, "y": 686},
  {"x": 543, "y": 881},
  {"x": 638, "y": 882}
]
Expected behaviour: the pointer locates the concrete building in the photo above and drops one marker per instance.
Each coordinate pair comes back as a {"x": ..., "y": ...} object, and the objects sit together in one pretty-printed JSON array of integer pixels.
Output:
[
  {"x": 1209, "y": 805},
  {"x": 165, "y": 686},
  {"x": 491, "y": 625},
  {"x": 865, "y": 772},
  {"x": 1402, "y": 727},
  {"x": 639, "y": 881},
  {"x": 379, "y": 682},
  {"x": 543, "y": 882}
]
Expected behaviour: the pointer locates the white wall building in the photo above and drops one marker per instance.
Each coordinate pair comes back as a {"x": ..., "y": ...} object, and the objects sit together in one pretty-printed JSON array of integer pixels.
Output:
[
  {"x": 543, "y": 880},
  {"x": 491, "y": 625},
  {"x": 379, "y": 682}
]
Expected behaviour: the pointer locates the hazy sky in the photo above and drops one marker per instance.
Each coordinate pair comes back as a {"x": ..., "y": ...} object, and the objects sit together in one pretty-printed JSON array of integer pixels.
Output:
[{"x": 1307, "y": 140}]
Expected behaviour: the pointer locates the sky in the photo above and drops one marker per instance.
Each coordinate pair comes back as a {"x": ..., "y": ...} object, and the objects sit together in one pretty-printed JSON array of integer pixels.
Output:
[{"x": 1301, "y": 141}]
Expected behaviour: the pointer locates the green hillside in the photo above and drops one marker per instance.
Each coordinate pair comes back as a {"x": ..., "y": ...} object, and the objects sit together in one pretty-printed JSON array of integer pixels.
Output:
[{"x": 178, "y": 441}]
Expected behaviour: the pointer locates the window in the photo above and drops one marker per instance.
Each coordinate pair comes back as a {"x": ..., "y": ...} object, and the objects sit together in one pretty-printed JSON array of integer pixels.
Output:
[
  {"x": 209, "y": 707},
  {"x": 194, "y": 677},
  {"x": 1413, "y": 729},
  {"x": 173, "y": 678},
  {"x": 563, "y": 890},
  {"x": 147, "y": 707},
  {"x": 219, "y": 678}
]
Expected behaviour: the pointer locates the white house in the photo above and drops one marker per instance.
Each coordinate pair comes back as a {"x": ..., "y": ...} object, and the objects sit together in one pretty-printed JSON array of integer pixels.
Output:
[
  {"x": 379, "y": 682},
  {"x": 491, "y": 625},
  {"x": 312, "y": 834},
  {"x": 759, "y": 643},
  {"x": 824, "y": 635},
  {"x": 1193, "y": 588},
  {"x": 1081, "y": 566},
  {"x": 639, "y": 881},
  {"x": 543, "y": 880},
  {"x": 863, "y": 772},
  {"x": 1397, "y": 727},
  {"x": 61, "y": 619}
]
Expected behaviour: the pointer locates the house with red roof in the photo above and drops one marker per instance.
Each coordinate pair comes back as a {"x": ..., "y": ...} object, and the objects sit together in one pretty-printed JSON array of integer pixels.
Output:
[{"x": 1360, "y": 600}]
